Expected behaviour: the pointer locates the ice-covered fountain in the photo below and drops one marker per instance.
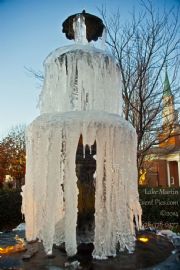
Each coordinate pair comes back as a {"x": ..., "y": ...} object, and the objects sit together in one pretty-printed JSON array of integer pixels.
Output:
[{"x": 81, "y": 116}]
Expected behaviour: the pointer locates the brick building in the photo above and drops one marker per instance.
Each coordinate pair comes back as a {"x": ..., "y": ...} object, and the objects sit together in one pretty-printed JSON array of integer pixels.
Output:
[{"x": 163, "y": 162}]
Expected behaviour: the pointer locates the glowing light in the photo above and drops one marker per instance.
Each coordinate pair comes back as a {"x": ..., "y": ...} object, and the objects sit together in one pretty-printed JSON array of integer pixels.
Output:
[
  {"x": 143, "y": 239},
  {"x": 142, "y": 178},
  {"x": 20, "y": 246}
]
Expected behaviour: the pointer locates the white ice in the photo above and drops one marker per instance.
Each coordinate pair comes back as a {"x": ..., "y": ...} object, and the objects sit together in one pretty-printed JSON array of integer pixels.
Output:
[
  {"x": 20, "y": 227},
  {"x": 81, "y": 78},
  {"x": 81, "y": 96},
  {"x": 79, "y": 28},
  {"x": 51, "y": 214}
]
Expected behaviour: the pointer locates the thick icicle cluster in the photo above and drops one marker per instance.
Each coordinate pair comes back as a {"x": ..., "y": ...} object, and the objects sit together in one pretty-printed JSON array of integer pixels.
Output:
[
  {"x": 51, "y": 211},
  {"x": 81, "y": 96},
  {"x": 81, "y": 78}
]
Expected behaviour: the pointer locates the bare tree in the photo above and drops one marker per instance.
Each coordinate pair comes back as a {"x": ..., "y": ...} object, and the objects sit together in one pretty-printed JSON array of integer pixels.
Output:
[
  {"x": 36, "y": 74},
  {"x": 143, "y": 46}
]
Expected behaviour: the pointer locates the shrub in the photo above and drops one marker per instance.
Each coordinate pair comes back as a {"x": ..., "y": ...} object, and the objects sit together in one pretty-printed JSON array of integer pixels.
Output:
[{"x": 10, "y": 209}]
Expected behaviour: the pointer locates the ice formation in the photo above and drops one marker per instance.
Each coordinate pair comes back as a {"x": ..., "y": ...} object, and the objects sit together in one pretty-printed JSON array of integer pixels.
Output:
[
  {"x": 81, "y": 96},
  {"x": 81, "y": 77}
]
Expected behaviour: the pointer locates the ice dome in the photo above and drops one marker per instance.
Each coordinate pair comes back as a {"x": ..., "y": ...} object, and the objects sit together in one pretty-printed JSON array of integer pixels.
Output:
[{"x": 81, "y": 78}]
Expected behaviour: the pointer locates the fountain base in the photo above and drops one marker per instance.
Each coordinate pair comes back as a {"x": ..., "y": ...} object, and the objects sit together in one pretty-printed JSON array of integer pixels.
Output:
[{"x": 148, "y": 254}]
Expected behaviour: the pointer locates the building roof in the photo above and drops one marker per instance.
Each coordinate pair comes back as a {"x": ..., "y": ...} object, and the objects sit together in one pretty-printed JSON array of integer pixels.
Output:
[
  {"x": 164, "y": 151},
  {"x": 167, "y": 88}
]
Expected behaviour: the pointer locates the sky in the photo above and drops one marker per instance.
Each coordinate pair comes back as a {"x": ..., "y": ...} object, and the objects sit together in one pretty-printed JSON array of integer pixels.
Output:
[{"x": 29, "y": 31}]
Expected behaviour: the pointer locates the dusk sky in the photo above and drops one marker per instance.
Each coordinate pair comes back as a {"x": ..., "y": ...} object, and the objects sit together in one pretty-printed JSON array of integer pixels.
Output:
[{"x": 29, "y": 31}]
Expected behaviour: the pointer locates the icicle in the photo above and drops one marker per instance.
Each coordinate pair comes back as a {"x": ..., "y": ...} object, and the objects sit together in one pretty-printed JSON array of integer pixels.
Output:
[
  {"x": 79, "y": 28},
  {"x": 103, "y": 39},
  {"x": 84, "y": 151}
]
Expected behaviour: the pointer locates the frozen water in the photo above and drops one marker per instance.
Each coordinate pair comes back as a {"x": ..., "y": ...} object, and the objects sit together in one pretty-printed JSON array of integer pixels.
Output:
[
  {"x": 72, "y": 265},
  {"x": 81, "y": 96},
  {"x": 167, "y": 233},
  {"x": 20, "y": 227},
  {"x": 50, "y": 211},
  {"x": 81, "y": 78},
  {"x": 79, "y": 28}
]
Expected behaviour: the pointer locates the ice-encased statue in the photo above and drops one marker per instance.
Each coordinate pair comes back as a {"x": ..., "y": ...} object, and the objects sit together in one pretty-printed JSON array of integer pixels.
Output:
[{"x": 81, "y": 108}]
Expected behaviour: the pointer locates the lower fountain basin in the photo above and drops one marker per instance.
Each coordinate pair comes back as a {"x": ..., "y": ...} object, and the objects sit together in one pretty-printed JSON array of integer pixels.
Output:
[{"x": 147, "y": 255}]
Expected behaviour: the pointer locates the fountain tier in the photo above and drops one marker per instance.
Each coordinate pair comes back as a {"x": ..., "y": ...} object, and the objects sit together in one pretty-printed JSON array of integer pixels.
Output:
[
  {"x": 81, "y": 78},
  {"x": 50, "y": 195}
]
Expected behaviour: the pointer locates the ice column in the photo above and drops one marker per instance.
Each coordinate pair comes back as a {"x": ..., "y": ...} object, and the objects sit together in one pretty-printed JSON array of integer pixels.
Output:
[{"x": 79, "y": 28}]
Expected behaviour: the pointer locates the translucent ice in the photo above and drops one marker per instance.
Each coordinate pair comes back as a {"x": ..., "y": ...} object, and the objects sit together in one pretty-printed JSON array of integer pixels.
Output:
[
  {"x": 51, "y": 213},
  {"x": 79, "y": 28},
  {"x": 81, "y": 78},
  {"x": 81, "y": 96}
]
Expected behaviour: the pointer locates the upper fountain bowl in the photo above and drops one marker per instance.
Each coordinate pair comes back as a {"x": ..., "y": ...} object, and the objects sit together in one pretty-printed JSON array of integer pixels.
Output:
[{"x": 93, "y": 26}]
